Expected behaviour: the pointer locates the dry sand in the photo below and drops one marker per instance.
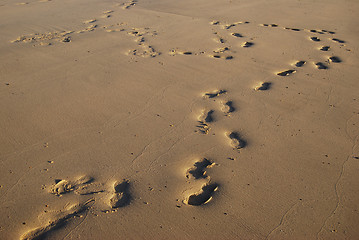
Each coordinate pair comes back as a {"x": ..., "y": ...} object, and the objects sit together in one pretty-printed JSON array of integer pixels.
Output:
[{"x": 156, "y": 119}]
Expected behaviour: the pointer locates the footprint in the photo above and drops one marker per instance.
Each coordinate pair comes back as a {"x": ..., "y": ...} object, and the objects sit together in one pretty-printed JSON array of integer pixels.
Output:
[
  {"x": 315, "y": 39},
  {"x": 293, "y": 29},
  {"x": 286, "y": 73},
  {"x": 229, "y": 26},
  {"x": 227, "y": 108},
  {"x": 324, "y": 48},
  {"x": 129, "y": 4},
  {"x": 321, "y": 65},
  {"x": 214, "y": 22},
  {"x": 108, "y": 12},
  {"x": 269, "y": 25},
  {"x": 88, "y": 29},
  {"x": 236, "y": 141},
  {"x": 145, "y": 51},
  {"x": 203, "y": 196},
  {"x": 214, "y": 94},
  {"x": 89, "y": 189},
  {"x": 238, "y": 35},
  {"x": 174, "y": 52},
  {"x": 204, "y": 119},
  {"x": 198, "y": 171},
  {"x": 66, "y": 39},
  {"x": 90, "y": 21},
  {"x": 221, "y": 50},
  {"x": 316, "y": 31},
  {"x": 330, "y": 32},
  {"x": 66, "y": 186},
  {"x": 300, "y": 63},
  {"x": 221, "y": 56},
  {"x": 338, "y": 40},
  {"x": 219, "y": 39},
  {"x": 263, "y": 86},
  {"x": 121, "y": 196},
  {"x": 335, "y": 59},
  {"x": 247, "y": 44},
  {"x": 70, "y": 213}
]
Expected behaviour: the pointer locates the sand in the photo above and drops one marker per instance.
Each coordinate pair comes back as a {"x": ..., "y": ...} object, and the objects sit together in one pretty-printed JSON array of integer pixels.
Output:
[{"x": 156, "y": 119}]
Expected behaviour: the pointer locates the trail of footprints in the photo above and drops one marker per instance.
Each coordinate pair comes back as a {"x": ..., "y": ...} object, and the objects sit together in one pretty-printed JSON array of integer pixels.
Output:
[
  {"x": 198, "y": 173},
  {"x": 107, "y": 198},
  {"x": 103, "y": 199},
  {"x": 222, "y": 32},
  {"x": 118, "y": 194}
]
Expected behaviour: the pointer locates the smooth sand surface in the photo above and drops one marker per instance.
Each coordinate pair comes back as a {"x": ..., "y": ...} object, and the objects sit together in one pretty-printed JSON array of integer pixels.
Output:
[{"x": 167, "y": 119}]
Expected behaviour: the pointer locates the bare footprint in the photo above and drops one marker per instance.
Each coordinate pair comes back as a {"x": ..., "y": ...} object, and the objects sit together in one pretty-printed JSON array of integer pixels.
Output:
[
  {"x": 293, "y": 29},
  {"x": 238, "y": 35},
  {"x": 90, "y": 21},
  {"x": 199, "y": 169},
  {"x": 263, "y": 86},
  {"x": 108, "y": 12},
  {"x": 335, "y": 59},
  {"x": 121, "y": 196},
  {"x": 174, "y": 52},
  {"x": 66, "y": 186},
  {"x": 316, "y": 31},
  {"x": 247, "y": 44},
  {"x": 300, "y": 63},
  {"x": 321, "y": 65},
  {"x": 227, "y": 107},
  {"x": 214, "y": 22},
  {"x": 338, "y": 40},
  {"x": 221, "y": 50},
  {"x": 219, "y": 39},
  {"x": 214, "y": 94},
  {"x": 315, "y": 39},
  {"x": 286, "y": 73},
  {"x": 324, "y": 48},
  {"x": 69, "y": 214},
  {"x": 269, "y": 25},
  {"x": 218, "y": 56},
  {"x": 129, "y": 4},
  {"x": 330, "y": 32},
  {"x": 203, "y": 196},
  {"x": 235, "y": 140},
  {"x": 204, "y": 119}
]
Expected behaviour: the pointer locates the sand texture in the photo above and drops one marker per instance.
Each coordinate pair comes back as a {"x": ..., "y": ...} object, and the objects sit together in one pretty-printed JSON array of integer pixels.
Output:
[{"x": 168, "y": 119}]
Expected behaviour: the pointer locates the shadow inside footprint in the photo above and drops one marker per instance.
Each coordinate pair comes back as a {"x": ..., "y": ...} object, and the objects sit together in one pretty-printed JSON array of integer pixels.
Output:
[
  {"x": 121, "y": 197},
  {"x": 198, "y": 171},
  {"x": 285, "y": 73},
  {"x": 228, "y": 107},
  {"x": 321, "y": 65},
  {"x": 209, "y": 117},
  {"x": 247, "y": 44},
  {"x": 236, "y": 140},
  {"x": 300, "y": 63},
  {"x": 315, "y": 39},
  {"x": 324, "y": 48},
  {"x": 335, "y": 59},
  {"x": 204, "y": 196},
  {"x": 264, "y": 86},
  {"x": 338, "y": 40},
  {"x": 237, "y": 35},
  {"x": 215, "y": 94}
]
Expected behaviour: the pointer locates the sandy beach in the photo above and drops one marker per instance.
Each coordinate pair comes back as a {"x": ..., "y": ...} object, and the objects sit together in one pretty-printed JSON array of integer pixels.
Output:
[{"x": 154, "y": 119}]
